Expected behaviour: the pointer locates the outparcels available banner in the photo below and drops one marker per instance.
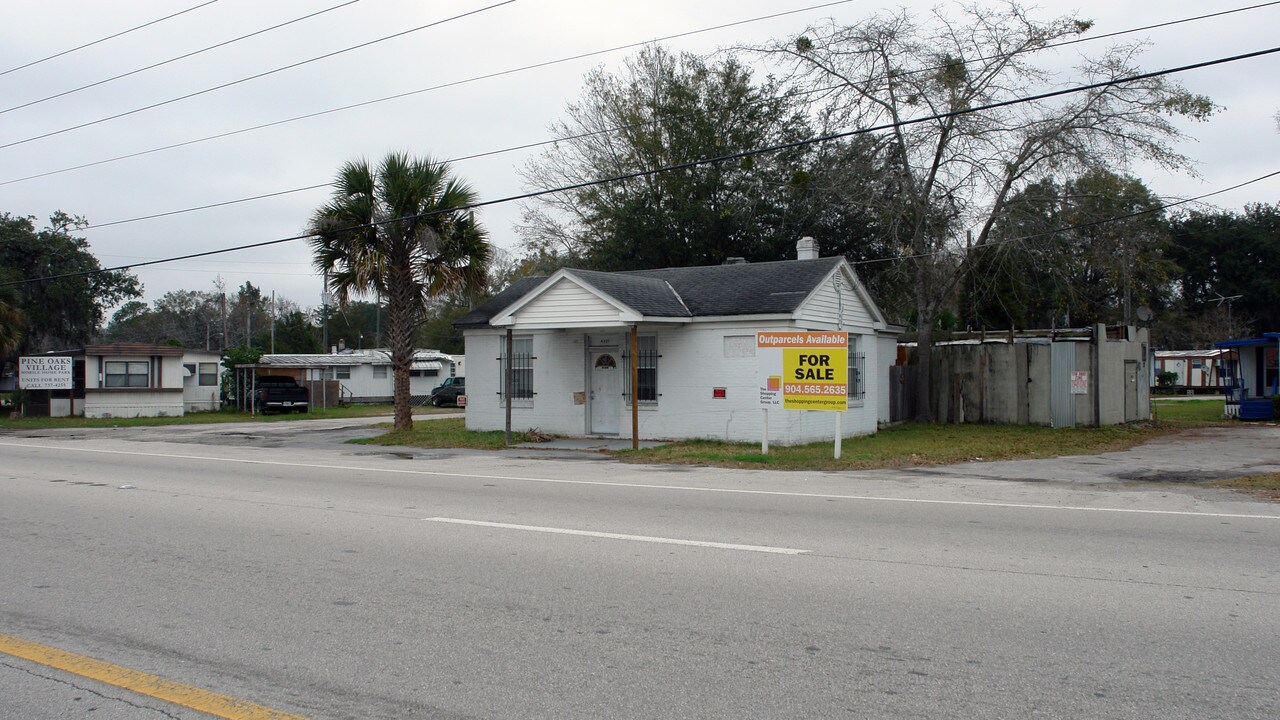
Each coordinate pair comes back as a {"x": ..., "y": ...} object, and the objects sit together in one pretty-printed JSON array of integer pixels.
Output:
[{"x": 803, "y": 370}]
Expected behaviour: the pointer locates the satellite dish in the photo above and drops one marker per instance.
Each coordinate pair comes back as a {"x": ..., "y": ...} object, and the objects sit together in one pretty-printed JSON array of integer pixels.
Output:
[{"x": 1145, "y": 314}]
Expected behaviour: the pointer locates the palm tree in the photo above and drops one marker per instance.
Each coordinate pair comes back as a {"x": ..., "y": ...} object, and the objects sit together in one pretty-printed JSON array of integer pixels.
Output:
[
  {"x": 402, "y": 230},
  {"x": 11, "y": 318}
]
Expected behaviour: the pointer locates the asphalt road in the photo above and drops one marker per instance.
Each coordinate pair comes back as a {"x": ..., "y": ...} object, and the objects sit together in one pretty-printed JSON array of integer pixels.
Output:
[{"x": 337, "y": 581}]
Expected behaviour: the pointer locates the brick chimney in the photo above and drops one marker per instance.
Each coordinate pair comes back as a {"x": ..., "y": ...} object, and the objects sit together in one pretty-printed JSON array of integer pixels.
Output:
[{"x": 807, "y": 249}]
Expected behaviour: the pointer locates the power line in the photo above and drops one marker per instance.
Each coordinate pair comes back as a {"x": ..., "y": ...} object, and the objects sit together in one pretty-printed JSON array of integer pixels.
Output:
[
  {"x": 398, "y": 96},
  {"x": 109, "y": 37},
  {"x": 254, "y": 77},
  {"x": 570, "y": 138},
  {"x": 206, "y": 207},
  {"x": 1081, "y": 226},
  {"x": 180, "y": 57},
  {"x": 695, "y": 163}
]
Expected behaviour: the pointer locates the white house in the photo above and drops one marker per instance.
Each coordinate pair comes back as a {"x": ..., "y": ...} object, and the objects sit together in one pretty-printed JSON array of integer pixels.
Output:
[
  {"x": 363, "y": 376},
  {"x": 696, "y": 333}
]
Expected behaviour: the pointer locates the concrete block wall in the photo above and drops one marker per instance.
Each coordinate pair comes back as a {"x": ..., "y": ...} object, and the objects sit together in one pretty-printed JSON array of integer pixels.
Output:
[{"x": 693, "y": 361}]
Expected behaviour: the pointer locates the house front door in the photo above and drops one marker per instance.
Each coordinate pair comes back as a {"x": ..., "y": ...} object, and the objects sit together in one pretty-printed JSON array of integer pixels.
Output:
[{"x": 606, "y": 392}]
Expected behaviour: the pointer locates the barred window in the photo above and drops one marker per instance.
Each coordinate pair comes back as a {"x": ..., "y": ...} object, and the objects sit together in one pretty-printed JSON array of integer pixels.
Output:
[
  {"x": 857, "y": 364},
  {"x": 128, "y": 374},
  {"x": 521, "y": 368},
  {"x": 646, "y": 371}
]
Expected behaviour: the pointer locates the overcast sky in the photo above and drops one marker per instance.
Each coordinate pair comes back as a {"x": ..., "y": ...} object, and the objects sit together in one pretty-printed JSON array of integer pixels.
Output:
[{"x": 514, "y": 109}]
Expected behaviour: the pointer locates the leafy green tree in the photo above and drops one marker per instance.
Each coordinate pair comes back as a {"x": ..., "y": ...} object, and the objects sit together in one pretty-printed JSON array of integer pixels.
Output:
[
  {"x": 438, "y": 331},
  {"x": 63, "y": 293},
  {"x": 1225, "y": 254},
  {"x": 232, "y": 390},
  {"x": 1089, "y": 250},
  {"x": 189, "y": 318},
  {"x": 11, "y": 318},
  {"x": 953, "y": 171},
  {"x": 295, "y": 333},
  {"x": 665, "y": 109},
  {"x": 401, "y": 231},
  {"x": 357, "y": 324}
]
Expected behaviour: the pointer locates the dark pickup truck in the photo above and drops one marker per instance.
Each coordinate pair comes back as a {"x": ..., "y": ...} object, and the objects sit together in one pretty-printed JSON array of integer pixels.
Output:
[
  {"x": 447, "y": 393},
  {"x": 280, "y": 393}
]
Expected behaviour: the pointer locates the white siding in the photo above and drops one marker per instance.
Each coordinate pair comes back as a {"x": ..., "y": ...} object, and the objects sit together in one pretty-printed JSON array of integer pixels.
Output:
[
  {"x": 826, "y": 307},
  {"x": 164, "y": 401},
  {"x": 197, "y": 397},
  {"x": 136, "y": 403},
  {"x": 692, "y": 363},
  {"x": 567, "y": 304}
]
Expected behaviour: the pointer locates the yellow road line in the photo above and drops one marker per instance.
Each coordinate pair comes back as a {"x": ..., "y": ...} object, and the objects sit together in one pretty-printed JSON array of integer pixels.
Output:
[{"x": 188, "y": 696}]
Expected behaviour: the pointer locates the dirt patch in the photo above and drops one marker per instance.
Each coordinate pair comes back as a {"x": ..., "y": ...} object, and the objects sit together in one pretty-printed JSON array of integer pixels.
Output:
[{"x": 1172, "y": 476}]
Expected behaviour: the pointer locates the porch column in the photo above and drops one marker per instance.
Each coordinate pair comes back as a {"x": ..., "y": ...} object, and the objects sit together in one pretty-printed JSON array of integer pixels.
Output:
[
  {"x": 506, "y": 383},
  {"x": 635, "y": 387}
]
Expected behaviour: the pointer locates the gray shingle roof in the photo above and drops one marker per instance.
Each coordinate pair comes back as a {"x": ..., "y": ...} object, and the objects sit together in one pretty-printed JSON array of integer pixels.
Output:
[
  {"x": 766, "y": 288},
  {"x": 648, "y": 296},
  {"x": 479, "y": 317},
  {"x": 745, "y": 289}
]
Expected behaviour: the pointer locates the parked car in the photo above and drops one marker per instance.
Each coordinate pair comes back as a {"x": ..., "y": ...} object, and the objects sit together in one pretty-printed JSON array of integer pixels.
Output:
[
  {"x": 447, "y": 392},
  {"x": 280, "y": 393}
]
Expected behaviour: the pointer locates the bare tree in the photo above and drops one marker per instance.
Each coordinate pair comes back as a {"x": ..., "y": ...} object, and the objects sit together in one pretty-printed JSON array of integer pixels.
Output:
[{"x": 957, "y": 169}]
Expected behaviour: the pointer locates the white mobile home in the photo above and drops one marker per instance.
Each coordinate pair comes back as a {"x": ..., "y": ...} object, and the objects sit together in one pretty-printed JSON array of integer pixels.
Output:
[
  {"x": 201, "y": 380},
  {"x": 1196, "y": 369}
]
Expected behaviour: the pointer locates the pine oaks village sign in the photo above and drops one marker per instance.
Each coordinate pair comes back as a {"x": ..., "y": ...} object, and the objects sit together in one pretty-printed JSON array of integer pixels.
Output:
[{"x": 40, "y": 372}]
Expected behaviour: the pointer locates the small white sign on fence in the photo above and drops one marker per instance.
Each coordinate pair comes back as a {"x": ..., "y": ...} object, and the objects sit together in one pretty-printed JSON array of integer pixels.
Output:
[{"x": 1079, "y": 383}]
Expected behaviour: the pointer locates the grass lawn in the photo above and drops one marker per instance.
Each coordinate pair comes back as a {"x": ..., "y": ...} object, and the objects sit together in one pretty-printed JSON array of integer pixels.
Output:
[
  {"x": 1189, "y": 412},
  {"x": 1265, "y": 486},
  {"x": 925, "y": 444},
  {"x": 446, "y": 433}
]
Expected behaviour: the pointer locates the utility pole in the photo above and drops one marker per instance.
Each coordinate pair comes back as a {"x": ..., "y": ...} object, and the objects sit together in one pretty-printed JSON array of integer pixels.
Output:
[
  {"x": 224, "y": 323},
  {"x": 273, "y": 322},
  {"x": 324, "y": 314}
]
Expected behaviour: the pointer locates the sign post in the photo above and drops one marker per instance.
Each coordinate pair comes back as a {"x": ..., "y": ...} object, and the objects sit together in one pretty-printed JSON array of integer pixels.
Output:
[{"x": 803, "y": 370}]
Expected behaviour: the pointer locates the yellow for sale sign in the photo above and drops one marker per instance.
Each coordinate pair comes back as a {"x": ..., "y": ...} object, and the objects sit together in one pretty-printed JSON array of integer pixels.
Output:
[{"x": 802, "y": 370}]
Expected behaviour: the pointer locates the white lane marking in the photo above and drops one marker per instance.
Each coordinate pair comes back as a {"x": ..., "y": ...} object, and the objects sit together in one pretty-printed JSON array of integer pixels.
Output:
[
  {"x": 620, "y": 536},
  {"x": 650, "y": 486}
]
